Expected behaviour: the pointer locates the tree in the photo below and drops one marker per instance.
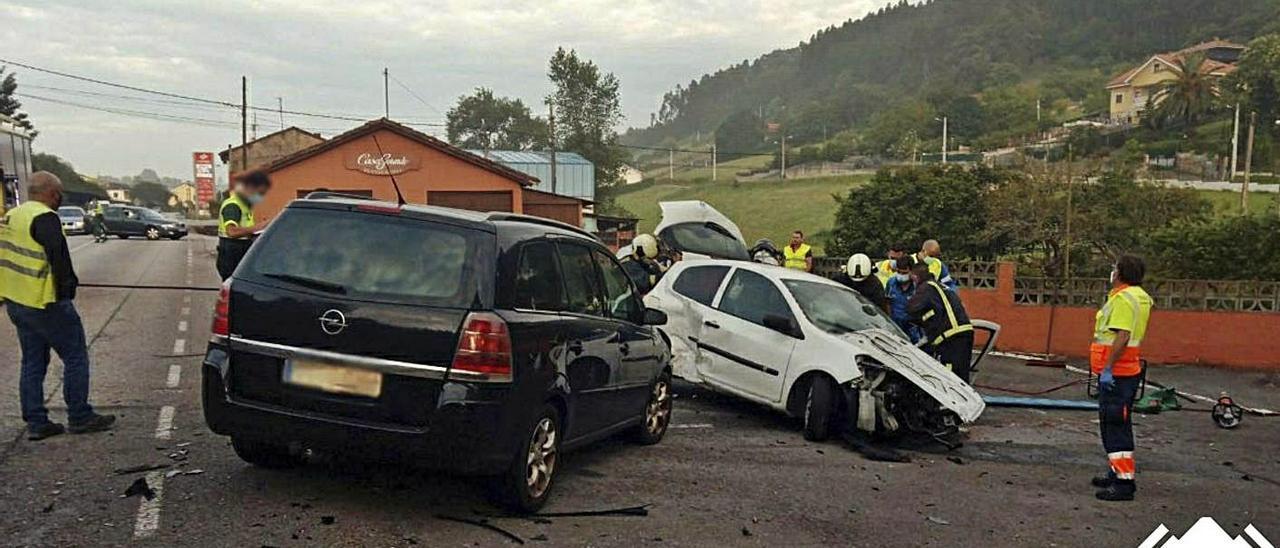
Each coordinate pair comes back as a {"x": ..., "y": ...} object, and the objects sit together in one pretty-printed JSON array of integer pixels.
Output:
[
  {"x": 742, "y": 131},
  {"x": 482, "y": 120},
  {"x": 71, "y": 180},
  {"x": 151, "y": 194},
  {"x": 914, "y": 204},
  {"x": 9, "y": 105},
  {"x": 1256, "y": 82},
  {"x": 1026, "y": 212},
  {"x": 587, "y": 112},
  {"x": 1191, "y": 94},
  {"x": 1199, "y": 248}
]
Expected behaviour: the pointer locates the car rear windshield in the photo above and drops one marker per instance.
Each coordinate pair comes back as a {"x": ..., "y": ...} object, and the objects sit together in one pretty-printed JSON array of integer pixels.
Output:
[
  {"x": 707, "y": 239},
  {"x": 70, "y": 213},
  {"x": 375, "y": 257},
  {"x": 836, "y": 309}
]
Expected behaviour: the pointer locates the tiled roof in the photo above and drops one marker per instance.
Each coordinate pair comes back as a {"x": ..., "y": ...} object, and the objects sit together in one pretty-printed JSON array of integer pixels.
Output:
[{"x": 1172, "y": 58}]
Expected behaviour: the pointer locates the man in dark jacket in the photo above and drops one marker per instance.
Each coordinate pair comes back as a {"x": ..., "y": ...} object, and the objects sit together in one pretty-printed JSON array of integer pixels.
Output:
[{"x": 946, "y": 324}]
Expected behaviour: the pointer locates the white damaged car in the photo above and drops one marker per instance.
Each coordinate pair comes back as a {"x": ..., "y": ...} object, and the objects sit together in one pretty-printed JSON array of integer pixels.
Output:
[
  {"x": 807, "y": 346},
  {"x": 696, "y": 230}
]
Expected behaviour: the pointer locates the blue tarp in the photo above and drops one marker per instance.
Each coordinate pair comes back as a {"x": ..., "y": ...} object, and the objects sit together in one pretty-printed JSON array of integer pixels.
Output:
[{"x": 1044, "y": 403}]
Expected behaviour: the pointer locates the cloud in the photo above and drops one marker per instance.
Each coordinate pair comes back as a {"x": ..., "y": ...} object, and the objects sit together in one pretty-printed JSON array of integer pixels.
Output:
[{"x": 327, "y": 56}]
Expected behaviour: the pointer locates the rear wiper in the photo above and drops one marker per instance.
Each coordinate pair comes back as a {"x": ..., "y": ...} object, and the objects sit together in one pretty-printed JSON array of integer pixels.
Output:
[{"x": 313, "y": 283}]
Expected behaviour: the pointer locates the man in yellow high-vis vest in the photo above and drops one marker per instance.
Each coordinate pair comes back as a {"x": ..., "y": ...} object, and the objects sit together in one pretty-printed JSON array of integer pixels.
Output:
[
  {"x": 1114, "y": 357},
  {"x": 236, "y": 225},
  {"x": 38, "y": 286},
  {"x": 798, "y": 255}
]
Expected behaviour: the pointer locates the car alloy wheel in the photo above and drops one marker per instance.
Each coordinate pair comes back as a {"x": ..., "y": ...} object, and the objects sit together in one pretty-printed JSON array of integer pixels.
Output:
[
  {"x": 153, "y": 233},
  {"x": 542, "y": 457},
  {"x": 658, "y": 412}
]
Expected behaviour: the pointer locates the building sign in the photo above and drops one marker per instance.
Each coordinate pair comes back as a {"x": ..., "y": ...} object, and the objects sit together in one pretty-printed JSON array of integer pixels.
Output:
[
  {"x": 389, "y": 163},
  {"x": 203, "y": 162}
]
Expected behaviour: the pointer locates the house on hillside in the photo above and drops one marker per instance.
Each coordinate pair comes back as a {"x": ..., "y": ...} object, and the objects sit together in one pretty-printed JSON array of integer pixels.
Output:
[
  {"x": 1133, "y": 90},
  {"x": 268, "y": 148},
  {"x": 119, "y": 193},
  {"x": 183, "y": 195}
]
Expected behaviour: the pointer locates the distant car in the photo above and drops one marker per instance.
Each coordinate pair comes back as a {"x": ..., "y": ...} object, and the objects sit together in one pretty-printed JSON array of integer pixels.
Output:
[
  {"x": 474, "y": 342},
  {"x": 696, "y": 230},
  {"x": 73, "y": 220},
  {"x": 807, "y": 346},
  {"x": 126, "y": 221}
]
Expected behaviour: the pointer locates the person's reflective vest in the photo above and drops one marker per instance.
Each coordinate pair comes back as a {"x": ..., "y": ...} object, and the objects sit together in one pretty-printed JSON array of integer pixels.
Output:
[
  {"x": 957, "y": 322},
  {"x": 795, "y": 257},
  {"x": 246, "y": 215},
  {"x": 885, "y": 270},
  {"x": 1128, "y": 308},
  {"x": 25, "y": 277}
]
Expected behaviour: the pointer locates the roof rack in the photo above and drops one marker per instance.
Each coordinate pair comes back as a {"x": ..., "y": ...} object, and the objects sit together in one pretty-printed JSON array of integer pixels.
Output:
[
  {"x": 327, "y": 195},
  {"x": 519, "y": 218}
]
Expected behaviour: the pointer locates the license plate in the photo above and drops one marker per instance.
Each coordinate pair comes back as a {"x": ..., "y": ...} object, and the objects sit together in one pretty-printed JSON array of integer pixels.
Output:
[{"x": 336, "y": 379}]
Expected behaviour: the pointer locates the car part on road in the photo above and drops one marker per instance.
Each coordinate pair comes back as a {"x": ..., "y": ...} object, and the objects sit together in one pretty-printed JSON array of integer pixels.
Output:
[
  {"x": 139, "y": 487},
  {"x": 1040, "y": 403},
  {"x": 484, "y": 523},
  {"x": 1226, "y": 414}
]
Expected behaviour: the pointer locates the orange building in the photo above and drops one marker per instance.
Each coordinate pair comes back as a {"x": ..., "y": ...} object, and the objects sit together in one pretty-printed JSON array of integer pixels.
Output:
[{"x": 428, "y": 171}]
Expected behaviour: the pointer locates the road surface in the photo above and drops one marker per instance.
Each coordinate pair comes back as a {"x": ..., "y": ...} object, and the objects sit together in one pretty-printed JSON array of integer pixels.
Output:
[{"x": 728, "y": 473}]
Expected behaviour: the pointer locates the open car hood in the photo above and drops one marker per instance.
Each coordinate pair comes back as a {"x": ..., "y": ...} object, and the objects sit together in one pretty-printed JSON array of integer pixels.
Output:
[
  {"x": 921, "y": 369},
  {"x": 695, "y": 211}
]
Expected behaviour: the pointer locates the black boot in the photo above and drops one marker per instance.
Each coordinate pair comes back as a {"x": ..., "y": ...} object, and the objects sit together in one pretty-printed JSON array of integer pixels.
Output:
[
  {"x": 1102, "y": 482},
  {"x": 1118, "y": 490}
]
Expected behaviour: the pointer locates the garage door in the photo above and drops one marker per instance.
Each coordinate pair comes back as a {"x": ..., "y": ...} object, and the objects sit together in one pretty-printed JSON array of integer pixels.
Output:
[{"x": 474, "y": 201}]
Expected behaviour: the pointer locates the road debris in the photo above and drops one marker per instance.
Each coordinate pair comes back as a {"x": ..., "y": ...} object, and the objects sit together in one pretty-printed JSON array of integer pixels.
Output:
[
  {"x": 642, "y": 510},
  {"x": 139, "y": 487},
  {"x": 139, "y": 469},
  {"x": 484, "y": 523},
  {"x": 956, "y": 459},
  {"x": 328, "y": 520},
  {"x": 938, "y": 521}
]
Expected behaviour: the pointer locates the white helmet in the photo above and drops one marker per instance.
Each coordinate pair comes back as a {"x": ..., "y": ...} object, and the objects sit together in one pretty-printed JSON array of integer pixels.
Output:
[
  {"x": 858, "y": 267},
  {"x": 645, "y": 246}
]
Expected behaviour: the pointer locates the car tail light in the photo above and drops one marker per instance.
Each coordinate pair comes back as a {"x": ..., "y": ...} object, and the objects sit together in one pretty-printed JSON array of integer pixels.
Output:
[
  {"x": 222, "y": 311},
  {"x": 484, "y": 347},
  {"x": 375, "y": 208}
]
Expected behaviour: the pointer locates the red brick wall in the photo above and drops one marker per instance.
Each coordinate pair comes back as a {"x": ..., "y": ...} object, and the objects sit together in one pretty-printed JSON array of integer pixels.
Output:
[{"x": 1234, "y": 339}]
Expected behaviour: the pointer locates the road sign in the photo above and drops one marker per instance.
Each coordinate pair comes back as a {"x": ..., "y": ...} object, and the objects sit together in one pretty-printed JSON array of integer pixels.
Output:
[{"x": 203, "y": 162}]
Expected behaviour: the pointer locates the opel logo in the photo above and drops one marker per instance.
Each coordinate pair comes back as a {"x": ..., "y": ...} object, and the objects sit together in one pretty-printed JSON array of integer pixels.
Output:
[{"x": 333, "y": 322}]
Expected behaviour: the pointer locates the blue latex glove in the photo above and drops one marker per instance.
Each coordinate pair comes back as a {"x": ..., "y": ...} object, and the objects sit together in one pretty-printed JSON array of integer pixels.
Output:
[{"x": 1106, "y": 381}]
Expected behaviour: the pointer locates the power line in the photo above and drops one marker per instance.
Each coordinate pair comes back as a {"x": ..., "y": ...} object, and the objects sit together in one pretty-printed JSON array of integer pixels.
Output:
[
  {"x": 415, "y": 95},
  {"x": 135, "y": 113}
]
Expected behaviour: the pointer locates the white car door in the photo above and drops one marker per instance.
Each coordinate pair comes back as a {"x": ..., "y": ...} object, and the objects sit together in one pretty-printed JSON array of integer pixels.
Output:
[
  {"x": 746, "y": 356},
  {"x": 688, "y": 302}
]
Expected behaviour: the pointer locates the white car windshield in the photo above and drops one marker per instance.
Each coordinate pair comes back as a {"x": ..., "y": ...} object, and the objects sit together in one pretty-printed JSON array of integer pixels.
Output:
[
  {"x": 836, "y": 309},
  {"x": 706, "y": 239}
]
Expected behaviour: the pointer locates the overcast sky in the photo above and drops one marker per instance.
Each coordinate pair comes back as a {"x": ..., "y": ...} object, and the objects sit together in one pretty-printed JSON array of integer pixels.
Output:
[{"x": 326, "y": 56}]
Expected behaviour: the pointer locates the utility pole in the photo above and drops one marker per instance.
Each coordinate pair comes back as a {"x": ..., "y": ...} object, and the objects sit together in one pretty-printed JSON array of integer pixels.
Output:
[
  {"x": 713, "y": 161},
  {"x": 671, "y": 164},
  {"x": 280, "y": 103},
  {"x": 1248, "y": 163},
  {"x": 1037, "y": 111},
  {"x": 551, "y": 125},
  {"x": 784, "y": 156},
  {"x": 1235, "y": 144},
  {"x": 244, "y": 122},
  {"x": 386, "y": 93},
  {"x": 944, "y": 139},
  {"x": 1066, "y": 251}
]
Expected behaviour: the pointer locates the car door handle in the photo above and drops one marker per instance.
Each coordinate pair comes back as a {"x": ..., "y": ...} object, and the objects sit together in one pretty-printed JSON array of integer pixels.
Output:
[
  {"x": 711, "y": 324},
  {"x": 575, "y": 347},
  {"x": 625, "y": 348}
]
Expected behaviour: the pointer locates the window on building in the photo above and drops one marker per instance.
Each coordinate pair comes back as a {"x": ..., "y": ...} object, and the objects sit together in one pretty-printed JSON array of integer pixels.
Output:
[
  {"x": 1119, "y": 98},
  {"x": 1157, "y": 67}
]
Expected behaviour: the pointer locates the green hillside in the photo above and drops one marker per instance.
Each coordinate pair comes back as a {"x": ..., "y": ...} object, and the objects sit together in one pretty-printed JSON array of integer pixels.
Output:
[
  {"x": 986, "y": 64},
  {"x": 762, "y": 209}
]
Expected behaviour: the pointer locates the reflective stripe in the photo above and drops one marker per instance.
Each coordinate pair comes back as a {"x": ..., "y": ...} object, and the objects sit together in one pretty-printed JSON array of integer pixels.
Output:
[
  {"x": 927, "y": 315},
  {"x": 1122, "y": 464},
  {"x": 25, "y": 252},
  {"x": 34, "y": 273},
  {"x": 952, "y": 332}
]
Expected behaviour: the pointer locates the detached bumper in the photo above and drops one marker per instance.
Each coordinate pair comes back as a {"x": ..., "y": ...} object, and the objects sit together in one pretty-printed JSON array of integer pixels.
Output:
[{"x": 462, "y": 435}]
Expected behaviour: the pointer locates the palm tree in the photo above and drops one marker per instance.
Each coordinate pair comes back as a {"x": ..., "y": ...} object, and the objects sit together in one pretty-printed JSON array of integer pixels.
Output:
[{"x": 1190, "y": 95}]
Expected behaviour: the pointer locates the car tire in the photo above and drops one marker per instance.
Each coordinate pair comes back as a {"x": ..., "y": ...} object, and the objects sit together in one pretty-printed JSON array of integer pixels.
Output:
[
  {"x": 819, "y": 409},
  {"x": 153, "y": 233},
  {"x": 657, "y": 412},
  {"x": 265, "y": 454},
  {"x": 527, "y": 483}
]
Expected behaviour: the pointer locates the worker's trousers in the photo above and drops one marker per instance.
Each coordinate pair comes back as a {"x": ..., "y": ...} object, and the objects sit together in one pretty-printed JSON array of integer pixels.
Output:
[
  {"x": 55, "y": 327},
  {"x": 956, "y": 353},
  {"x": 1115, "y": 419}
]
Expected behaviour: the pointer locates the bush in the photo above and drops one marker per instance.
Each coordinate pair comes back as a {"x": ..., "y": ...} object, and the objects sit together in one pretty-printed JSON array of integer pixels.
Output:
[{"x": 1233, "y": 248}]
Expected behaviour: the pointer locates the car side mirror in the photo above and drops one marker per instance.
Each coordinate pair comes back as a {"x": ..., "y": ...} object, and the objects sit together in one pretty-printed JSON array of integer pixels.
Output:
[
  {"x": 786, "y": 326},
  {"x": 653, "y": 316}
]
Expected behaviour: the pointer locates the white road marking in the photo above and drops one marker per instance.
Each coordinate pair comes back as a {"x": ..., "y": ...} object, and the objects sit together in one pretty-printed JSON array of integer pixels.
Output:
[
  {"x": 175, "y": 376},
  {"x": 182, "y": 326},
  {"x": 149, "y": 510},
  {"x": 81, "y": 246},
  {"x": 179, "y": 346},
  {"x": 186, "y": 298},
  {"x": 164, "y": 424},
  {"x": 186, "y": 311},
  {"x": 698, "y": 425}
]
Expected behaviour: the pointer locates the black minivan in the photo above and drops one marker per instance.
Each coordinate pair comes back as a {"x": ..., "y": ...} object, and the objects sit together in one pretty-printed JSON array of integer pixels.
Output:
[{"x": 484, "y": 343}]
